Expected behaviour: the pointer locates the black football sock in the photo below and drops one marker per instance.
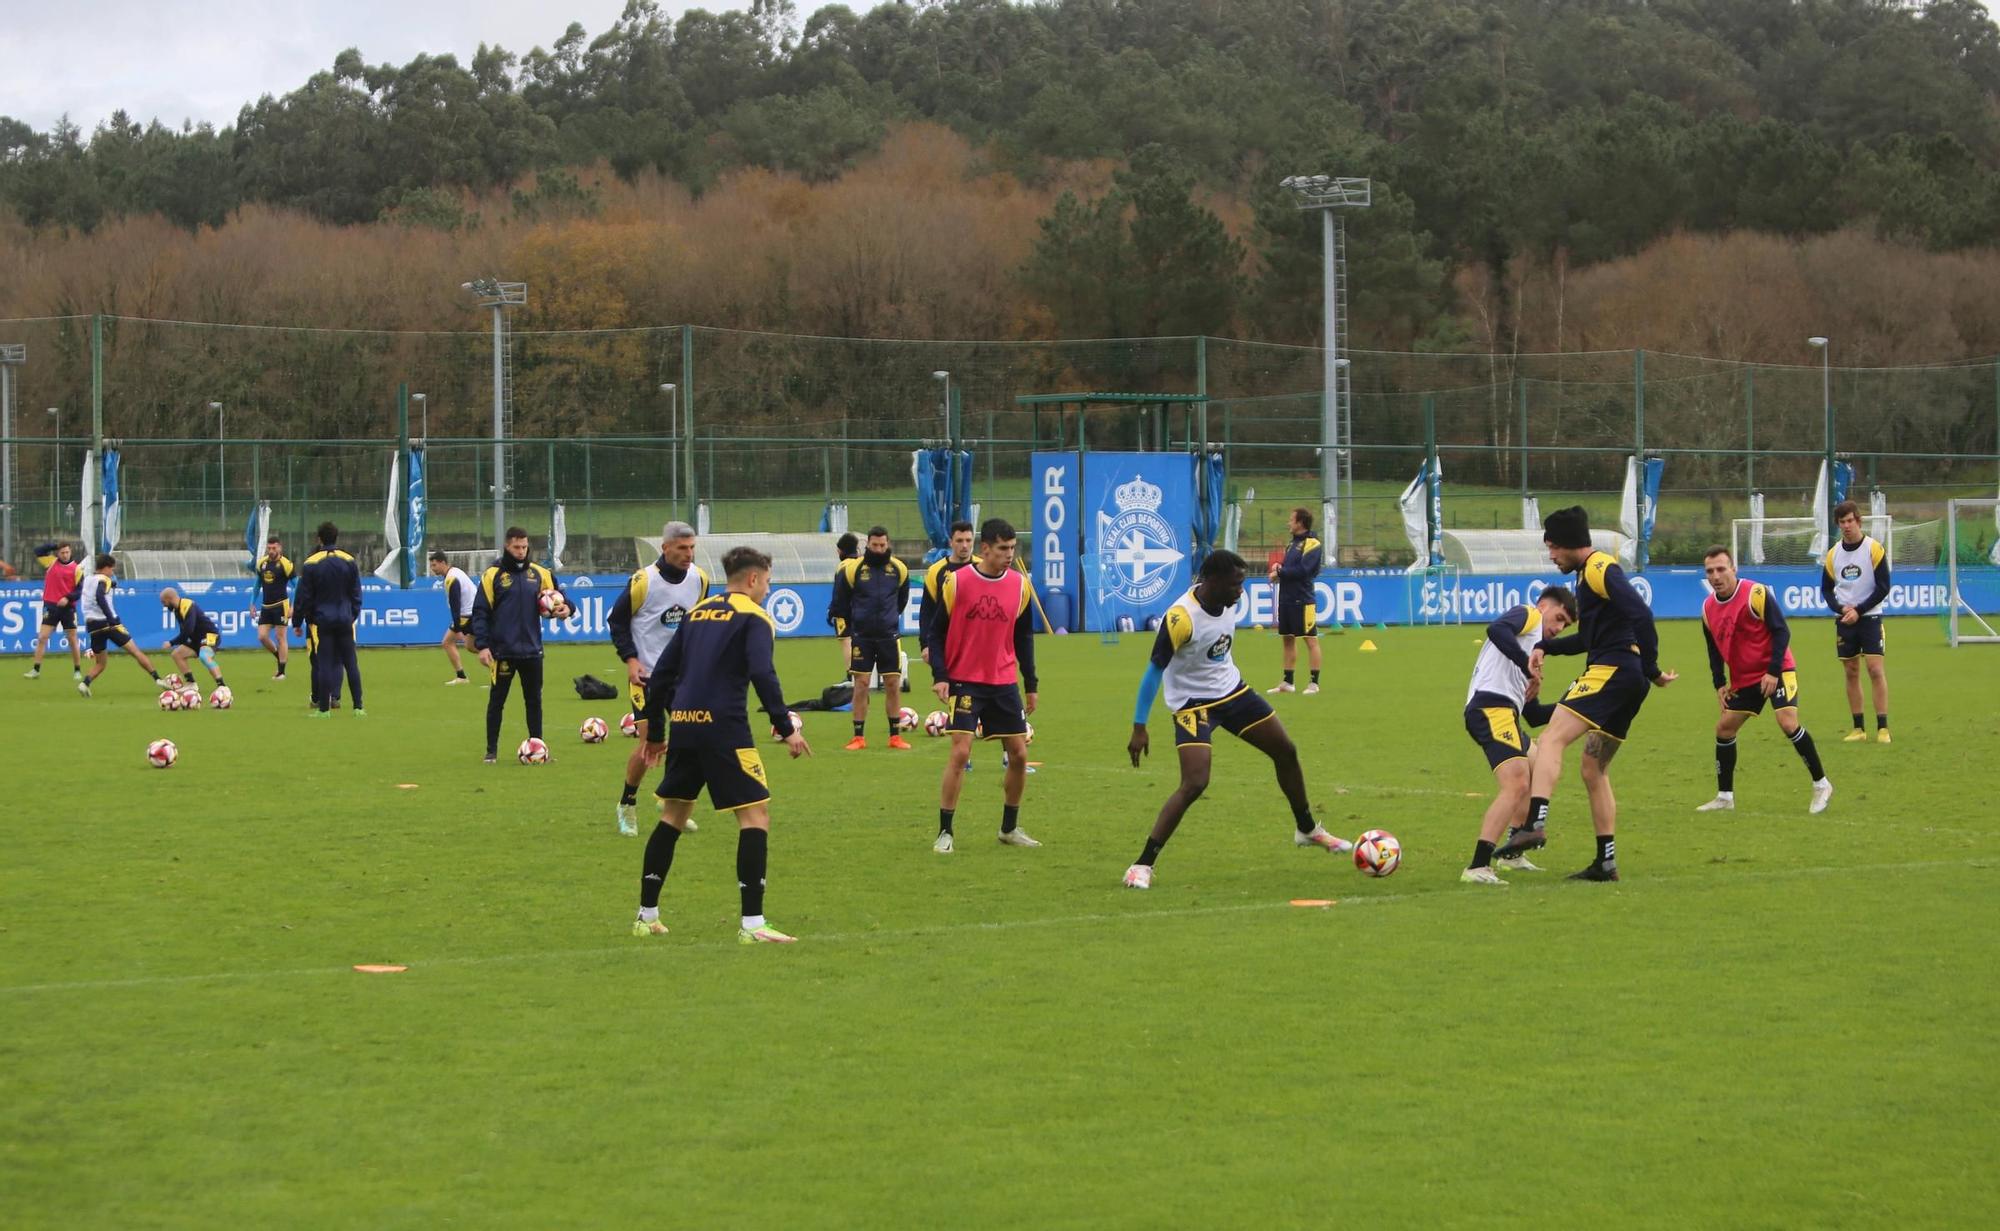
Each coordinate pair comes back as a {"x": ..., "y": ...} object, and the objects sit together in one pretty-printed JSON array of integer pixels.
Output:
[
  {"x": 753, "y": 849},
  {"x": 1607, "y": 849},
  {"x": 659, "y": 861},
  {"x": 1881, "y": 722},
  {"x": 1725, "y": 765},
  {"x": 1803, "y": 741},
  {"x": 219, "y": 683},
  {"x": 1288, "y": 676},
  {"x": 630, "y": 795},
  {"x": 1151, "y": 852},
  {"x": 1010, "y": 816},
  {"x": 1538, "y": 813},
  {"x": 1315, "y": 677},
  {"x": 1302, "y": 818},
  {"x": 944, "y": 819},
  {"x": 1858, "y": 724},
  {"x": 858, "y": 724},
  {"x": 461, "y": 673},
  {"x": 1482, "y": 854}
]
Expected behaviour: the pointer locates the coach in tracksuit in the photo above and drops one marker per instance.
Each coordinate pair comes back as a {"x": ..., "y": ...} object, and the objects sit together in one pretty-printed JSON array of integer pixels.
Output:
[
  {"x": 329, "y": 599},
  {"x": 507, "y": 632}
]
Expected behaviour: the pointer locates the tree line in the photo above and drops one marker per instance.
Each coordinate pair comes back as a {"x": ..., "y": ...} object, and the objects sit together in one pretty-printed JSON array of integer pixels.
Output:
[{"x": 1511, "y": 141}]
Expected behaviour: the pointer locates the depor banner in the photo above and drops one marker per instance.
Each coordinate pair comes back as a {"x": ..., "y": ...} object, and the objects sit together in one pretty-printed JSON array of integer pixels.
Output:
[
  {"x": 416, "y": 617},
  {"x": 1053, "y": 536},
  {"x": 1138, "y": 510}
]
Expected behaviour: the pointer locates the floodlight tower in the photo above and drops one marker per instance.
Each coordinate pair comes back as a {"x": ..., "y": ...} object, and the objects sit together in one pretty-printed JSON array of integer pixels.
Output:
[
  {"x": 1330, "y": 194},
  {"x": 12, "y": 355},
  {"x": 499, "y": 296}
]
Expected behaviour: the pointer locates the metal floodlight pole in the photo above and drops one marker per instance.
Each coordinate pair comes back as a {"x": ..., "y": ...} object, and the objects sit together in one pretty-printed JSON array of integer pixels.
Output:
[
  {"x": 1328, "y": 194},
  {"x": 499, "y": 296},
  {"x": 12, "y": 355},
  {"x": 674, "y": 439},
  {"x": 55, "y": 503},
  {"x": 221, "y": 468},
  {"x": 1825, "y": 350}
]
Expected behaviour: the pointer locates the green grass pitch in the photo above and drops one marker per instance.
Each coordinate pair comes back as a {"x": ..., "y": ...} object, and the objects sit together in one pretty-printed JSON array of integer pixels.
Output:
[{"x": 1775, "y": 1020}]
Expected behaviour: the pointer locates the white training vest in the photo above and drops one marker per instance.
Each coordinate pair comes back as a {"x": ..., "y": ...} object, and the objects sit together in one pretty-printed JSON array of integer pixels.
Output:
[
  {"x": 466, "y": 590},
  {"x": 1853, "y": 570},
  {"x": 1201, "y": 668},
  {"x": 659, "y": 606},
  {"x": 1494, "y": 673},
  {"x": 96, "y": 602}
]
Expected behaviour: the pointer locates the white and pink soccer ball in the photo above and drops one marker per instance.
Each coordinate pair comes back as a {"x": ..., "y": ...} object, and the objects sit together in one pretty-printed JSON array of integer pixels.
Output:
[
  {"x": 1377, "y": 853},
  {"x": 532, "y": 752},
  {"x": 936, "y": 723},
  {"x": 628, "y": 725},
  {"x": 161, "y": 753},
  {"x": 170, "y": 700},
  {"x": 221, "y": 698},
  {"x": 593, "y": 730},
  {"x": 906, "y": 719},
  {"x": 190, "y": 697},
  {"x": 552, "y": 604}
]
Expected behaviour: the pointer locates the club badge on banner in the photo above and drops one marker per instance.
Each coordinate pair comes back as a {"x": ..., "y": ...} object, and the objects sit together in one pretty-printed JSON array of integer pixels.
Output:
[{"x": 1139, "y": 511}]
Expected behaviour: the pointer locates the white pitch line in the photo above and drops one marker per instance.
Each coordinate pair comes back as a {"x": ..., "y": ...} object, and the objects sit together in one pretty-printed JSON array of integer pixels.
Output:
[{"x": 996, "y": 925}]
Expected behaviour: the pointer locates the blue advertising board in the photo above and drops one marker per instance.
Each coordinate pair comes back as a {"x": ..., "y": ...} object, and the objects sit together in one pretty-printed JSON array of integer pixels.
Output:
[
  {"x": 1053, "y": 536},
  {"x": 392, "y": 616},
  {"x": 1138, "y": 509}
]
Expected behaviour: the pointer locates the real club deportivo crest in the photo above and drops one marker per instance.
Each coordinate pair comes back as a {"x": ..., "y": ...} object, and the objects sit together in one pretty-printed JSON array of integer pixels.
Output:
[{"x": 1138, "y": 546}]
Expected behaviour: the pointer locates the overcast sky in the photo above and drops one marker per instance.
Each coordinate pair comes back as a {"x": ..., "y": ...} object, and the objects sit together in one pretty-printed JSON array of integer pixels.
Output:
[
  {"x": 181, "y": 59},
  {"x": 178, "y": 59}
]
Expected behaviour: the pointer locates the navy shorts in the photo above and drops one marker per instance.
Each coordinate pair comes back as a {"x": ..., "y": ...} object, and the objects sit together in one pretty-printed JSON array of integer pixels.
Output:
[
  {"x": 1752, "y": 700},
  {"x": 59, "y": 617},
  {"x": 733, "y": 777},
  {"x": 989, "y": 711},
  {"x": 1236, "y": 713},
  {"x": 1497, "y": 731},
  {"x": 1608, "y": 697},
  {"x": 108, "y": 635},
  {"x": 274, "y": 615},
  {"x": 1864, "y": 636},
  {"x": 875, "y": 654},
  {"x": 1298, "y": 620}
]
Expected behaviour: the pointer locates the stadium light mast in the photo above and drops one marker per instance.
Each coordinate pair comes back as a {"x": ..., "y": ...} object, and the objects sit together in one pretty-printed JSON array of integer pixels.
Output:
[
  {"x": 674, "y": 426},
  {"x": 499, "y": 296},
  {"x": 1825, "y": 349},
  {"x": 1330, "y": 194},
  {"x": 12, "y": 355},
  {"x": 221, "y": 468}
]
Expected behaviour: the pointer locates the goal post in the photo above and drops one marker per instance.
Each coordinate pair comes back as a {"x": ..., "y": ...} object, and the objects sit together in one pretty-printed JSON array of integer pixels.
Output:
[{"x": 1972, "y": 572}]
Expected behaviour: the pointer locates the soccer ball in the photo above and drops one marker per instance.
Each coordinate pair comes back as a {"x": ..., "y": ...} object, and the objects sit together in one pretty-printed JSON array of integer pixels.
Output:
[
  {"x": 593, "y": 730},
  {"x": 780, "y": 734},
  {"x": 1377, "y": 853},
  {"x": 532, "y": 751},
  {"x": 173, "y": 682},
  {"x": 161, "y": 753},
  {"x": 190, "y": 698},
  {"x": 936, "y": 722},
  {"x": 906, "y": 719},
  {"x": 629, "y": 725},
  {"x": 221, "y": 698},
  {"x": 552, "y": 604},
  {"x": 171, "y": 699}
]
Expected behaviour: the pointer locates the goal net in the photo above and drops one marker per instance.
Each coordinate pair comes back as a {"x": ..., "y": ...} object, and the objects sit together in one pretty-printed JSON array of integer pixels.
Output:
[
  {"x": 1971, "y": 557},
  {"x": 1799, "y": 540}
]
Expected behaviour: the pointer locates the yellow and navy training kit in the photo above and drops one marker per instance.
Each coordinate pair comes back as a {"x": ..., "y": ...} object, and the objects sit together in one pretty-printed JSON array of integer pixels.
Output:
[
  {"x": 723, "y": 650},
  {"x": 274, "y": 584},
  {"x": 1857, "y": 577},
  {"x": 506, "y": 611},
  {"x": 1622, "y": 647},
  {"x": 329, "y": 600},
  {"x": 869, "y": 595},
  {"x": 1195, "y": 722},
  {"x": 1192, "y": 658},
  {"x": 100, "y": 618},
  {"x": 1298, "y": 616},
  {"x": 1750, "y": 699},
  {"x": 649, "y": 611},
  {"x": 1500, "y": 728},
  {"x": 197, "y": 628}
]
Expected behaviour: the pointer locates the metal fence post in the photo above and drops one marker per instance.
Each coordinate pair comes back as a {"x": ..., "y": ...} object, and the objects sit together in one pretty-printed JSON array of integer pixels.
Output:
[
  {"x": 687, "y": 421},
  {"x": 1749, "y": 431}
]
